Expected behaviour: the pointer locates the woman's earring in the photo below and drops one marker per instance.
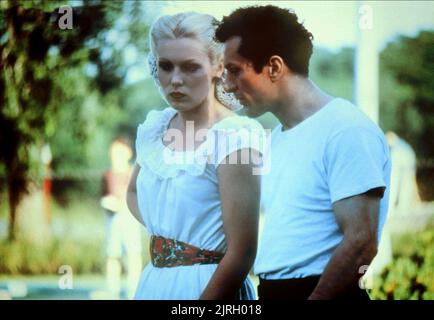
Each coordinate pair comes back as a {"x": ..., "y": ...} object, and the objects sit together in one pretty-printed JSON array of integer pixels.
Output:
[
  {"x": 227, "y": 99},
  {"x": 153, "y": 69}
]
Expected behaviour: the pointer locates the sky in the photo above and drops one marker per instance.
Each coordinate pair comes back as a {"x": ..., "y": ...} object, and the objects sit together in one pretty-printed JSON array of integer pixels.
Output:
[{"x": 334, "y": 24}]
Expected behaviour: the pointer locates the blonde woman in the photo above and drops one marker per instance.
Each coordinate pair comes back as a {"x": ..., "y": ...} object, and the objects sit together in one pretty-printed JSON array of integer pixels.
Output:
[{"x": 200, "y": 205}]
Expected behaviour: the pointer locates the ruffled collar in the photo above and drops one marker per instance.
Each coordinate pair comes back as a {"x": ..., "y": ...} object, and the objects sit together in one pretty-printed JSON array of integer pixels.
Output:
[
  {"x": 159, "y": 158},
  {"x": 167, "y": 163}
]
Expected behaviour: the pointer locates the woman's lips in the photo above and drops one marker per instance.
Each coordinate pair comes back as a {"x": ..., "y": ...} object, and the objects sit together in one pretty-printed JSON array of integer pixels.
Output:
[{"x": 177, "y": 95}]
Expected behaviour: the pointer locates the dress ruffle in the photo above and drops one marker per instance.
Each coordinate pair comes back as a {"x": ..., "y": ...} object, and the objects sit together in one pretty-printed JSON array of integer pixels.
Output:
[{"x": 166, "y": 163}]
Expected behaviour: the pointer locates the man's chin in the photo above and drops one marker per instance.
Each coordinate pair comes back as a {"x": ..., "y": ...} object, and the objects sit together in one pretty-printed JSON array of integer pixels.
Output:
[{"x": 251, "y": 112}]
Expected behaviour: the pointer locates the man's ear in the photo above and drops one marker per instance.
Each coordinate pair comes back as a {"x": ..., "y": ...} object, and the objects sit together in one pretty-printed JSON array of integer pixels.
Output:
[{"x": 276, "y": 68}]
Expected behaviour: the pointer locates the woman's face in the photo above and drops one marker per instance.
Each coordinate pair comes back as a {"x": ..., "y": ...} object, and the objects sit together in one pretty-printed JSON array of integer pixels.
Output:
[{"x": 185, "y": 72}]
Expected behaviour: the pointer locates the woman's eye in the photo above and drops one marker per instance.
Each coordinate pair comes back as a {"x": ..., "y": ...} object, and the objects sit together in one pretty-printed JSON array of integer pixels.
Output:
[
  {"x": 165, "y": 66},
  {"x": 191, "y": 67}
]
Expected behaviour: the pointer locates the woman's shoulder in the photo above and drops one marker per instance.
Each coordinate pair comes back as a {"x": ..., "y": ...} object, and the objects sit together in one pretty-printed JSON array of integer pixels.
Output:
[
  {"x": 155, "y": 123},
  {"x": 238, "y": 122},
  {"x": 149, "y": 148},
  {"x": 235, "y": 133},
  {"x": 157, "y": 117}
]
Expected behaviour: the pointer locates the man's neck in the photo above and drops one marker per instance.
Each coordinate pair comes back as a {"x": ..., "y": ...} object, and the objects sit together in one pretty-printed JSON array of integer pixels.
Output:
[{"x": 301, "y": 99}]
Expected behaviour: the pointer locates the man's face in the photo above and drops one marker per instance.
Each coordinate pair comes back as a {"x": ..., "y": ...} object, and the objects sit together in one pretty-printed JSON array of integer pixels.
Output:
[{"x": 253, "y": 89}]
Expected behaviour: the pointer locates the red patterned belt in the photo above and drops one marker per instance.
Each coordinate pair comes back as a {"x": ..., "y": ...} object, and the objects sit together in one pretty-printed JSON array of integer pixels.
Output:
[{"x": 173, "y": 253}]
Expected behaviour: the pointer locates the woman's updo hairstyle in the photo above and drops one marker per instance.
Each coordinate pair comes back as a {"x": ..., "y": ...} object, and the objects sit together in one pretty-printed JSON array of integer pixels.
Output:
[
  {"x": 190, "y": 25},
  {"x": 196, "y": 26}
]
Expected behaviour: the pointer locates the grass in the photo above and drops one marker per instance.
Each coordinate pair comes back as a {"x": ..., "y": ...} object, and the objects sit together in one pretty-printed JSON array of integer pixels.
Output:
[{"x": 75, "y": 237}]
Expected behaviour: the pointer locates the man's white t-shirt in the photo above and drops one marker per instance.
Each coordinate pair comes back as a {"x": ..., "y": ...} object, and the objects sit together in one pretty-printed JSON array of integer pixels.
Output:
[{"x": 336, "y": 153}]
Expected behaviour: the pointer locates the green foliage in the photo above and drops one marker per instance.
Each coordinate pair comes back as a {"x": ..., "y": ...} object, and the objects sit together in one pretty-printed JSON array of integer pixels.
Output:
[
  {"x": 333, "y": 71},
  {"x": 24, "y": 258},
  {"x": 33, "y": 52},
  {"x": 407, "y": 98},
  {"x": 76, "y": 238},
  {"x": 48, "y": 94},
  {"x": 411, "y": 275}
]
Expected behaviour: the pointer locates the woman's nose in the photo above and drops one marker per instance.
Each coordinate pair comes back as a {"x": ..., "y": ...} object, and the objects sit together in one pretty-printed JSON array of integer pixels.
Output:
[{"x": 176, "y": 78}]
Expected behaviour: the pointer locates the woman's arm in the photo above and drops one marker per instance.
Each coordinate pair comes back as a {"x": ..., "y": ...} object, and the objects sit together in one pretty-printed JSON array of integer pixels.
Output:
[
  {"x": 132, "y": 195},
  {"x": 240, "y": 197}
]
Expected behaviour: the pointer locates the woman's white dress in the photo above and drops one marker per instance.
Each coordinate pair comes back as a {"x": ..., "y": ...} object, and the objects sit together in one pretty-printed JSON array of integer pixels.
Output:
[{"x": 178, "y": 198}]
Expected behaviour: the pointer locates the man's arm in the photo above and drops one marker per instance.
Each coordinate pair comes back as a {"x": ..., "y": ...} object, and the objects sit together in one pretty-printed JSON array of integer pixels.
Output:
[{"x": 357, "y": 218}]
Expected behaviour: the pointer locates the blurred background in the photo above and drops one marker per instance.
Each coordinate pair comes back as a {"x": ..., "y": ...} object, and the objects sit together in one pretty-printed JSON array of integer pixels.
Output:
[{"x": 74, "y": 80}]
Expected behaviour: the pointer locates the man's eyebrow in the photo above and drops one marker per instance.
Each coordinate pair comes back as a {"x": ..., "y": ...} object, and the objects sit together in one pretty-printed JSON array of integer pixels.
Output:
[{"x": 230, "y": 64}]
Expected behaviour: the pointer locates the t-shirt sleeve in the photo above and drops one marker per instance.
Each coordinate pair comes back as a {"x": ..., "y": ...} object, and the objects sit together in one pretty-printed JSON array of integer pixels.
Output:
[
  {"x": 246, "y": 138},
  {"x": 354, "y": 160}
]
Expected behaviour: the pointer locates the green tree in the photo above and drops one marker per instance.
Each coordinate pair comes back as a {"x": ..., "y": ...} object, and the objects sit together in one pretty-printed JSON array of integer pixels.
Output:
[
  {"x": 334, "y": 71},
  {"x": 101, "y": 108},
  {"x": 34, "y": 52},
  {"x": 407, "y": 98}
]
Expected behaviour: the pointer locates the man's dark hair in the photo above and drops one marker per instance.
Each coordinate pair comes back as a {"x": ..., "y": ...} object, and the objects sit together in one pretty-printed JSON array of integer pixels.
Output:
[{"x": 267, "y": 31}]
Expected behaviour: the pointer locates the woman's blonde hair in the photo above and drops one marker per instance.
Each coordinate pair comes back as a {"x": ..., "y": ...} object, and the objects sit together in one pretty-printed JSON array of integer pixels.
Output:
[
  {"x": 190, "y": 25},
  {"x": 197, "y": 26}
]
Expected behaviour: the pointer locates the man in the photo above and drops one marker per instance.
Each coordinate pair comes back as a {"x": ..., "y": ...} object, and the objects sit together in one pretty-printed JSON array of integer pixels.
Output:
[
  {"x": 403, "y": 199},
  {"x": 123, "y": 232},
  {"x": 326, "y": 196}
]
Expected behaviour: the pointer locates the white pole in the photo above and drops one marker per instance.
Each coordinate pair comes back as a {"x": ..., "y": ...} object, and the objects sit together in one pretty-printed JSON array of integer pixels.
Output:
[{"x": 367, "y": 61}]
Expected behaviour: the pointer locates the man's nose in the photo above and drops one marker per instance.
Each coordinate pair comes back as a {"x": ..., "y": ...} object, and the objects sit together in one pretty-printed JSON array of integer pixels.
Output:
[{"x": 229, "y": 85}]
